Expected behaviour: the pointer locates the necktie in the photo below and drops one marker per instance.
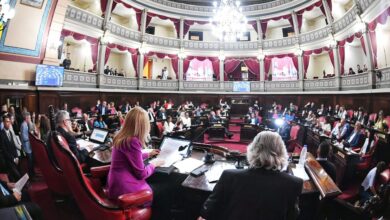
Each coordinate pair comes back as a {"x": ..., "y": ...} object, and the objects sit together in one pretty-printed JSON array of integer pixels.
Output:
[{"x": 4, "y": 190}]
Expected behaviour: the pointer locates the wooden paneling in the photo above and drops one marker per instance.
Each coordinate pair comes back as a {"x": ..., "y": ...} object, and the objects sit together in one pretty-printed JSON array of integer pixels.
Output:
[{"x": 39, "y": 100}]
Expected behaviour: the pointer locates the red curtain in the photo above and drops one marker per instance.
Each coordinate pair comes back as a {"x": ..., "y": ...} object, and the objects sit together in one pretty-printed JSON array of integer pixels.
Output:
[
  {"x": 134, "y": 60},
  {"x": 103, "y": 6},
  {"x": 295, "y": 62},
  {"x": 253, "y": 66},
  {"x": 176, "y": 22},
  {"x": 229, "y": 66},
  {"x": 215, "y": 63},
  {"x": 254, "y": 25},
  {"x": 306, "y": 61},
  {"x": 342, "y": 56},
  {"x": 331, "y": 56},
  {"x": 186, "y": 65},
  {"x": 189, "y": 23},
  {"x": 107, "y": 55},
  {"x": 264, "y": 25},
  {"x": 267, "y": 65},
  {"x": 175, "y": 66}
]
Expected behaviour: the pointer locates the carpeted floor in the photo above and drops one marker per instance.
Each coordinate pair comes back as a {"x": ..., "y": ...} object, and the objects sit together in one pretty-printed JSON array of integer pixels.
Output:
[{"x": 233, "y": 143}]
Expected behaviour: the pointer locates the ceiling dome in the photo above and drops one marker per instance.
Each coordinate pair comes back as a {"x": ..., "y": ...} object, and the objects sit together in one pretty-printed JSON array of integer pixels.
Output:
[{"x": 210, "y": 3}]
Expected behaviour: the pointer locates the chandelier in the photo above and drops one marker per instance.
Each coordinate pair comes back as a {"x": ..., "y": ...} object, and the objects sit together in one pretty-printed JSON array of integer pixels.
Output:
[
  {"x": 6, "y": 13},
  {"x": 228, "y": 21}
]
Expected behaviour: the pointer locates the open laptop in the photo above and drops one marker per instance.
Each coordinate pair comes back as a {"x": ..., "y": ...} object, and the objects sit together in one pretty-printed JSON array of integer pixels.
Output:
[
  {"x": 172, "y": 149},
  {"x": 97, "y": 138}
]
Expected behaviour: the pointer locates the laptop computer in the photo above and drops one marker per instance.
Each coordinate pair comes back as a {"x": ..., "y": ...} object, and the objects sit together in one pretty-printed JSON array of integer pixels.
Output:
[{"x": 97, "y": 138}]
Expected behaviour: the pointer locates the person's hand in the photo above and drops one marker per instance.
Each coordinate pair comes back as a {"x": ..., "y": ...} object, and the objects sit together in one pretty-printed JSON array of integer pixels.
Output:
[
  {"x": 154, "y": 152},
  {"x": 17, "y": 196},
  {"x": 200, "y": 218},
  {"x": 157, "y": 163},
  {"x": 11, "y": 185}
]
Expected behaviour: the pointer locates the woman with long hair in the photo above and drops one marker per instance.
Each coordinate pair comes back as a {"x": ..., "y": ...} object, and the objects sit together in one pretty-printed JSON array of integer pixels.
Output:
[{"x": 128, "y": 173}]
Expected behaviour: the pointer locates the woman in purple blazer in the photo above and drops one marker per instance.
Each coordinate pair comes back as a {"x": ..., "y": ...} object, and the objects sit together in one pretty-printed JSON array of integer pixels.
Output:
[{"x": 127, "y": 172}]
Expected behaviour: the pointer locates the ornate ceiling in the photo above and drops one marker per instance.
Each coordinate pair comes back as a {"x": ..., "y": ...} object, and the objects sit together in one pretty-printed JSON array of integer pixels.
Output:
[{"x": 210, "y": 2}]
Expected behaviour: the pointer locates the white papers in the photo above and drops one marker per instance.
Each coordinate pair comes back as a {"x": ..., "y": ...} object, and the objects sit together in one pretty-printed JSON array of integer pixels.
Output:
[
  {"x": 169, "y": 151},
  {"x": 215, "y": 172},
  {"x": 20, "y": 184},
  {"x": 301, "y": 173},
  {"x": 188, "y": 165},
  {"x": 86, "y": 144}
]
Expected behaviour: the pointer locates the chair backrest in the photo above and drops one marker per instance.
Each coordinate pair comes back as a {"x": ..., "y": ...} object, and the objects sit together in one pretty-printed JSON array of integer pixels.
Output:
[
  {"x": 387, "y": 119},
  {"x": 372, "y": 117},
  {"x": 294, "y": 132},
  {"x": 91, "y": 204},
  {"x": 53, "y": 175},
  {"x": 160, "y": 128},
  {"x": 321, "y": 119},
  {"x": 350, "y": 114}
]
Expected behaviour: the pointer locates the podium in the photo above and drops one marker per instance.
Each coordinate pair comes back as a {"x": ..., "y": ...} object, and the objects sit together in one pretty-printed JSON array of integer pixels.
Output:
[
  {"x": 217, "y": 132},
  {"x": 248, "y": 132}
]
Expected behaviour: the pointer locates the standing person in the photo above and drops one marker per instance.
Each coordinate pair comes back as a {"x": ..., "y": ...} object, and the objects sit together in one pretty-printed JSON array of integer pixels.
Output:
[
  {"x": 164, "y": 73},
  {"x": 128, "y": 173},
  {"x": 260, "y": 192},
  {"x": 24, "y": 131}
]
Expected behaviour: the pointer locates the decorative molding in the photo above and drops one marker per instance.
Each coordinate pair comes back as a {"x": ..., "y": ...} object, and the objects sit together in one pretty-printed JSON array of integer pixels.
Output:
[
  {"x": 169, "y": 85},
  {"x": 282, "y": 86},
  {"x": 123, "y": 32},
  {"x": 320, "y": 84},
  {"x": 118, "y": 82},
  {"x": 353, "y": 81},
  {"x": 84, "y": 17},
  {"x": 79, "y": 79},
  {"x": 277, "y": 43},
  {"x": 201, "y": 45},
  {"x": 161, "y": 41},
  {"x": 315, "y": 35},
  {"x": 364, "y": 4},
  {"x": 248, "y": 45},
  {"x": 206, "y": 86}
]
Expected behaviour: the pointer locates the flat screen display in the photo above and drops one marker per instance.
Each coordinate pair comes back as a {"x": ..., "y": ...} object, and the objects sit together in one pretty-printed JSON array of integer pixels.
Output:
[
  {"x": 49, "y": 75},
  {"x": 98, "y": 135},
  {"x": 241, "y": 86},
  {"x": 283, "y": 69}
]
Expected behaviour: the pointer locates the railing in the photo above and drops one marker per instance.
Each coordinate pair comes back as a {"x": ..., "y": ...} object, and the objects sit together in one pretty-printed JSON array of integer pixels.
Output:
[
  {"x": 201, "y": 45},
  {"x": 320, "y": 84},
  {"x": 315, "y": 35},
  {"x": 162, "y": 41},
  {"x": 346, "y": 20},
  {"x": 84, "y": 17},
  {"x": 124, "y": 32},
  {"x": 201, "y": 86},
  {"x": 250, "y": 45},
  {"x": 365, "y": 4},
  {"x": 281, "y": 86},
  {"x": 118, "y": 82},
  {"x": 355, "y": 81},
  {"x": 284, "y": 42},
  {"x": 383, "y": 78},
  {"x": 169, "y": 85},
  {"x": 80, "y": 79},
  {"x": 257, "y": 86}
]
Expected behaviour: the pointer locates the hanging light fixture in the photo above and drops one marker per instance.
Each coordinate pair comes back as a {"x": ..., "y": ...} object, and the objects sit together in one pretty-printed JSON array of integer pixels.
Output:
[
  {"x": 229, "y": 22},
  {"x": 6, "y": 13}
]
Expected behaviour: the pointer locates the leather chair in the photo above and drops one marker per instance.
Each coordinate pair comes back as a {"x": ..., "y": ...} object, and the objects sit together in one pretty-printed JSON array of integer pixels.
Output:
[
  {"x": 160, "y": 129},
  {"x": 372, "y": 117},
  {"x": 366, "y": 159},
  {"x": 93, "y": 203},
  {"x": 53, "y": 175},
  {"x": 292, "y": 144}
]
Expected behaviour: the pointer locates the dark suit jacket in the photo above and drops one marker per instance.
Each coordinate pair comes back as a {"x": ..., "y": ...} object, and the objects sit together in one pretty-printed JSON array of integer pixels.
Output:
[
  {"x": 253, "y": 194},
  {"x": 355, "y": 141},
  {"x": 9, "y": 148},
  {"x": 81, "y": 155},
  {"x": 100, "y": 110},
  {"x": 7, "y": 201},
  {"x": 161, "y": 115},
  {"x": 329, "y": 168}
]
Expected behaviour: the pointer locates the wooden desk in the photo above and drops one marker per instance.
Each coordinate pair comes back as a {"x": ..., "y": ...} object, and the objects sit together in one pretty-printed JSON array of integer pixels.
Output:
[
  {"x": 217, "y": 133},
  {"x": 345, "y": 162},
  {"x": 248, "y": 132}
]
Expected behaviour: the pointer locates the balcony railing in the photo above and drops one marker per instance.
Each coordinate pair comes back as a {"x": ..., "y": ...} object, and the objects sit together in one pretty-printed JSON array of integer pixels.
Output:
[
  {"x": 320, "y": 84},
  {"x": 365, "y": 4},
  {"x": 80, "y": 79},
  {"x": 84, "y": 17},
  {"x": 201, "y": 86},
  {"x": 315, "y": 35},
  {"x": 358, "y": 81},
  {"x": 281, "y": 86},
  {"x": 278, "y": 43},
  {"x": 346, "y": 20},
  {"x": 169, "y": 85},
  {"x": 118, "y": 82},
  {"x": 162, "y": 41},
  {"x": 383, "y": 78},
  {"x": 124, "y": 32},
  {"x": 201, "y": 45}
]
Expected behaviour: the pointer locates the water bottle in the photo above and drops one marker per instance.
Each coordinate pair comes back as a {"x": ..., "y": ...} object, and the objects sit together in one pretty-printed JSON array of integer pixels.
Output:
[{"x": 302, "y": 157}]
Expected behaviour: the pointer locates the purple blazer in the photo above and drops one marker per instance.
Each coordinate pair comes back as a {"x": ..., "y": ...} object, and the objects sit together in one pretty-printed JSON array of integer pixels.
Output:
[{"x": 128, "y": 172}]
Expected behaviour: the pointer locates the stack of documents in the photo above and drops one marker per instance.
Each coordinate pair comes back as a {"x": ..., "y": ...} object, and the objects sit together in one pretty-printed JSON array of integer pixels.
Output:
[{"x": 188, "y": 165}]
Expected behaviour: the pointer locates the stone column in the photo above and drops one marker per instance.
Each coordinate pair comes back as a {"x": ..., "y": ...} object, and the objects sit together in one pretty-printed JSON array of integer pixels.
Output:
[
  {"x": 221, "y": 72},
  {"x": 259, "y": 31},
  {"x": 337, "y": 74},
  {"x": 328, "y": 12},
  {"x": 301, "y": 71},
  {"x": 107, "y": 14},
  {"x": 181, "y": 32},
  {"x": 181, "y": 73},
  {"x": 295, "y": 22},
  {"x": 262, "y": 72},
  {"x": 143, "y": 21},
  {"x": 140, "y": 69},
  {"x": 100, "y": 62},
  {"x": 369, "y": 57}
]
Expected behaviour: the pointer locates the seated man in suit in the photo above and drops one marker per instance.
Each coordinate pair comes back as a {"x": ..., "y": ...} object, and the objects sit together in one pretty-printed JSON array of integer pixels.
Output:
[
  {"x": 8, "y": 198},
  {"x": 85, "y": 123},
  {"x": 215, "y": 119},
  {"x": 341, "y": 130},
  {"x": 261, "y": 192},
  {"x": 64, "y": 127},
  {"x": 322, "y": 158},
  {"x": 354, "y": 138},
  {"x": 162, "y": 115}
]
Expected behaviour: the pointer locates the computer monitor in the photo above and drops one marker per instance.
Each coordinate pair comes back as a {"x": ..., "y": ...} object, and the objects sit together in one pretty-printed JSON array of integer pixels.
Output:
[{"x": 99, "y": 135}]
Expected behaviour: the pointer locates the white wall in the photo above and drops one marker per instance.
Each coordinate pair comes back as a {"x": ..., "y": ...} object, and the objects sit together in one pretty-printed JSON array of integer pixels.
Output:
[
  {"x": 340, "y": 7},
  {"x": 313, "y": 24},
  {"x": 129, "y": 22},
  {"x": 274, "y": 33},
  {"x": 122, "y": 62},
  {"x": 354, "y": 55},
  {"x": 159, "y": 64},
  {"x": 317, "y": 64},
  {"x": 382, "y": 39},
  {"x": 92, "y": 6},
  {"x": 79, "y": 53}
]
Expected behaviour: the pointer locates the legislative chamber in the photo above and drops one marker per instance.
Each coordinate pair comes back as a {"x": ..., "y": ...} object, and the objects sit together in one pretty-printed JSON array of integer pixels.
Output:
[{"x": 195, "y": 109}]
